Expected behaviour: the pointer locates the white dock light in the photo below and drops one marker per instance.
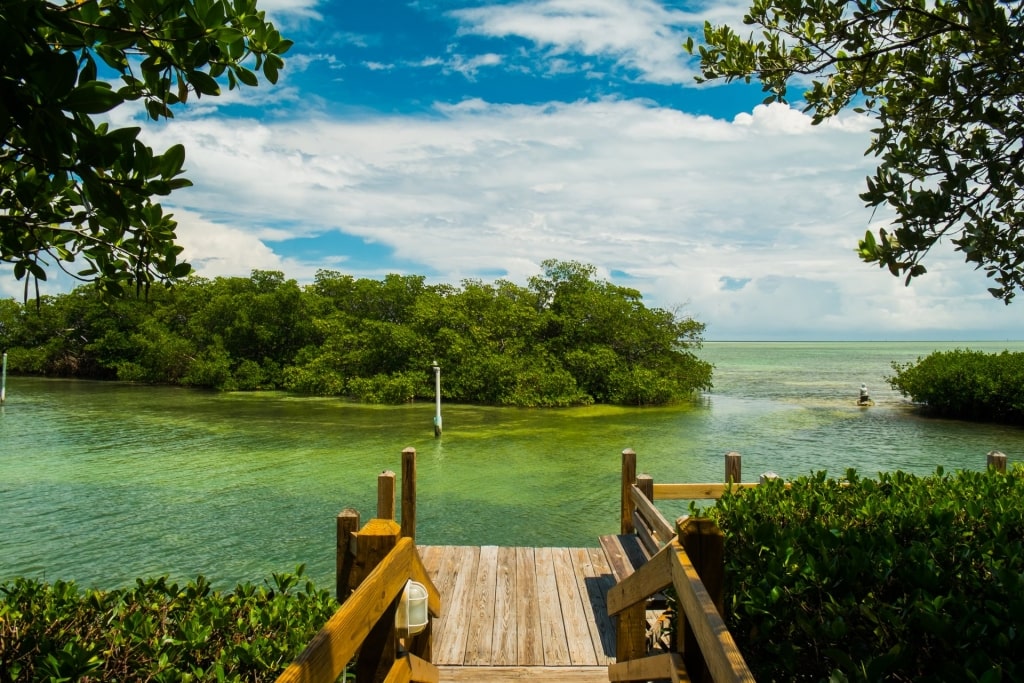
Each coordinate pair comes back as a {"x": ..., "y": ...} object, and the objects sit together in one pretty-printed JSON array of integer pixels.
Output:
[{"x": 412, "y": 616}]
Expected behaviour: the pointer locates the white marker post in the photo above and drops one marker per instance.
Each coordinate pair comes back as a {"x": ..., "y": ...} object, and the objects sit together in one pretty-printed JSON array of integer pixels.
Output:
[
  {"x": 3, "y": 382},
  {"x": 437, "y": 394}
]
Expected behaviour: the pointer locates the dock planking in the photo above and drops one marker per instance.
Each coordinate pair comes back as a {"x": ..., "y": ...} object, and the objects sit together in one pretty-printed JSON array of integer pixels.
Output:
[{"x": 521, "y": 611}]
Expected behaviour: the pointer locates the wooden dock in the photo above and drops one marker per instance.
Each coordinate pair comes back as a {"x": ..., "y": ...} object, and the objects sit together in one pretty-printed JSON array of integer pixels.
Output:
[{"x": 530, "y": 614}]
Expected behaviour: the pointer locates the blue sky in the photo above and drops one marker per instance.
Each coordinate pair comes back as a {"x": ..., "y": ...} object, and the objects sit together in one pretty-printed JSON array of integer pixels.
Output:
[{"x": 470, "y": 139}]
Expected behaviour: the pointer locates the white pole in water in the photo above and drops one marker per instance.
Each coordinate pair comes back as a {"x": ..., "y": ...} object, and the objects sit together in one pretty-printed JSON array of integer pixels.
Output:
[
  {"x": 3, "y": 382},
  {"x": 437, "y": 394}
]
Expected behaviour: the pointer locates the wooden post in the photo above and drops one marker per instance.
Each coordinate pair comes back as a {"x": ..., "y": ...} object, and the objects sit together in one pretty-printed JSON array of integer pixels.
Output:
[
  {"x": 380, "y": 649},
  {"x": 732, "y": 468},
  {"x": 348, "y": 525},
  {"x": 386, "y": 495},
  {"x": 628, "y": 478},
  {"x": 409, "y": 493},
  {"x": 645, "y": 483},
  {"x": 704, "y": 542},
  {"x": 997, "y": 461},
  {"x": 631, "y": 628}
]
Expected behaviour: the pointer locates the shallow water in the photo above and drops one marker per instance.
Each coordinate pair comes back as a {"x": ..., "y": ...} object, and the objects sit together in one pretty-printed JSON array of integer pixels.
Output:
[{"x": 102, "y": 483}]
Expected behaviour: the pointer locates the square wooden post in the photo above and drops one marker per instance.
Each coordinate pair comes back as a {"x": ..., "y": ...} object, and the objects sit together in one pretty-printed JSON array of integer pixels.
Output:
[
  {"x": 704, "y": 543},
  {"x": 732, "y": 468},
  {"x": 380, "y": 649},
  {"x": 628, "y": 479},
  {"x": 345, "y": 554},
  {"x": 386, "y": 495},
  {"x": 409, "y": 493}
]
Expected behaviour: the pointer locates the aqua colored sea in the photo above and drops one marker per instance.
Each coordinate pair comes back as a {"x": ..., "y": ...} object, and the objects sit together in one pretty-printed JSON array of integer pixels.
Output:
[{"x": 102, "y": 483}]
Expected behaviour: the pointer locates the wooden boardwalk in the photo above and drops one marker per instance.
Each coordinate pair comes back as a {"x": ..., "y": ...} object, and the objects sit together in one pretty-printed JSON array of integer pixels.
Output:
[{"x": 521, "y": 613}]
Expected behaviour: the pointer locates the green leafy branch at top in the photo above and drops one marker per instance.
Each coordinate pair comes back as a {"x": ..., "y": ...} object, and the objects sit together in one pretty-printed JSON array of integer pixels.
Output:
[
  {"x": 945, "y": 82},
  {"x": 76, "y": 191}
]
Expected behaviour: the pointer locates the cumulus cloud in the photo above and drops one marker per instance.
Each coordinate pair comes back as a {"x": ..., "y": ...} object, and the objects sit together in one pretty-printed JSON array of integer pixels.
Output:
[
  {"x": 642, "y": 37},
  {"x": 752, "y": 222}
]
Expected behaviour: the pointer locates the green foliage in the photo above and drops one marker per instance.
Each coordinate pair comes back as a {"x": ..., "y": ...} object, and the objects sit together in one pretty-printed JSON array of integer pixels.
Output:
[
  {"x": 157, "y": 631},
  {"x": 899, "y": 578},
  {"x": 74, "y": 190},
  {"x": 966, "y": 384},
  {"x": 943, "y": 80},
  {"x": 567, "y": 339}
]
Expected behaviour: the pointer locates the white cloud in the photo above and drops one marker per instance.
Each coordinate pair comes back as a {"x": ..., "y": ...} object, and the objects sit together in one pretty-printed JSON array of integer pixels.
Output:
[
  {"x": 641, "y": 36},
  {"x": 678, "y": 202}
]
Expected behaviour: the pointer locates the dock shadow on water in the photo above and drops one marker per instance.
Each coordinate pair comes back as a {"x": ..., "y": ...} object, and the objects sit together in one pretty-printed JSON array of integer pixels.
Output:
[{"x": 103, "y": 483}]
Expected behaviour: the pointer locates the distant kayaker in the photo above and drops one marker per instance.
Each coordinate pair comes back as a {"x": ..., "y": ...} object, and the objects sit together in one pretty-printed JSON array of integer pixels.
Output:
[{"x": 864, "y": 397}]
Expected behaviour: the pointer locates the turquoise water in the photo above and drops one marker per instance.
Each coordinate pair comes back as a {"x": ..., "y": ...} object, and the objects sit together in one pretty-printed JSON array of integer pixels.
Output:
[{"x": 102, "y": 483}]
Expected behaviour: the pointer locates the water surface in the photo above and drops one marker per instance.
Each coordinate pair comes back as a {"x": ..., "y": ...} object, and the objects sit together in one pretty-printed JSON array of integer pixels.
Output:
[{"x": 102, "y": 483}]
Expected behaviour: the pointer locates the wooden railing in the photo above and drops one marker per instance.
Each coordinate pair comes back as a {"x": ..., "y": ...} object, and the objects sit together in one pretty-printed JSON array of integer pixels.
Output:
[
  {"x": 687, "y": 556},
  {"x": 373, "y": 565}
]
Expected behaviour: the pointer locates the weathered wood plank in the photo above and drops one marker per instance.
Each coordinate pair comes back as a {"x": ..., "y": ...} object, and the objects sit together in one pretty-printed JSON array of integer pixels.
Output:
[
  {"x": 504, "y": 674},
  {"x": 452, "y": 632},
  {"x": 574, "y": 616},
  {"x": 659, "y": 526},
  {"x": 593, "y": 582},
  {"x": 667, "y": 666},
  {"x": 431, "y": 556},
  {"x": 529, "y": 648},
  {"x": 580, "y": 579},
  {"x": 625, "y": 553},
  {"x": 605, "y": 624},
  {"x": 556, "y": 648},
  {"x": 481, "y": 616},
  {"x": 722, "y": 656},
  {"x": 335, "y": 644},
  {"x": 693, "y": 491},
  {"x": 505, "y": 628}
]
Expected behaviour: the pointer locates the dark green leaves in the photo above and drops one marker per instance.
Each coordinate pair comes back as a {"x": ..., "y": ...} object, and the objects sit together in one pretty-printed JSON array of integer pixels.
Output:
[
  {"x": 93, "y": 97},
  {"x": 945, "y": 84},
  {"x": 75, "y": 190},
  {"x": 966, "y": 384},
  {"x": 158, "y": 630},
  {"x": 899, "y": 578}
]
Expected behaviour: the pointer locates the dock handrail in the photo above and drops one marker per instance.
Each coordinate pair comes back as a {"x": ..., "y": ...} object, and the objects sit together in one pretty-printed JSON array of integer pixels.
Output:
[
  {"x": 374, "y": 565},
  {"x": 687, "y": 556}
]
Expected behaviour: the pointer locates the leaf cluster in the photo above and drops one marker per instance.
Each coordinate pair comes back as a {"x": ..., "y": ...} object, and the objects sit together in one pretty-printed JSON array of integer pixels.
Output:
[
  {"x": 943, "y": 79},
  {"x": 965, "y": 384},
  {"x": 76, "y": 190},
  {"x": 566, "y": 339},
  {"x": 157, "y": 630},
  {"x": 900, "y": 578}
]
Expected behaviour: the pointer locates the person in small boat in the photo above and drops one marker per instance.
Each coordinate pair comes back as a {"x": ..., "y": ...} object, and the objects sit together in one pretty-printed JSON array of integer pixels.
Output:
[{"x": 864, "y": 397}]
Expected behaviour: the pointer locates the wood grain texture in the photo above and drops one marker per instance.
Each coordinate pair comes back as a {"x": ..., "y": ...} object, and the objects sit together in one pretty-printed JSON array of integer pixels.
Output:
[
  {"x": 529, "y": 649},
  {"x": 452, "y": 633},
  {"x": 521, "y": 613},
  {"x": 481, "y": 614},
  {"x": 506, "y": 629}
]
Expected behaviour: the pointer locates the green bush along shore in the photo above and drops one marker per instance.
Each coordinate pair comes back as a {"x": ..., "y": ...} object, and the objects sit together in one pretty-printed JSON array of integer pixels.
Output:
[{"x": 965, "y": 384}]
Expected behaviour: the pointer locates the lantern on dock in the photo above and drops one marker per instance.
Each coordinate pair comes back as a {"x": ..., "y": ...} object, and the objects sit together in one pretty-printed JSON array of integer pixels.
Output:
[{"x": 412, "y": 616}]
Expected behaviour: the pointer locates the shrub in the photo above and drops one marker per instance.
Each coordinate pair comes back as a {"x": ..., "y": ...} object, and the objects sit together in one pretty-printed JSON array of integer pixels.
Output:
[
  {"x": 900, "y": 578},
  {"x": 966, "y": 384},
  {"x": 157, "y": 631}
]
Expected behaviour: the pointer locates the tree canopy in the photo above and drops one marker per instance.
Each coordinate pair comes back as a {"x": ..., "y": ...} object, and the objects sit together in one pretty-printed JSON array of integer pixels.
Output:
[
  {"x": 945, "y": 81},
  {"x": 567, "y": 338},
  {"x": 73, "y": 188}
]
